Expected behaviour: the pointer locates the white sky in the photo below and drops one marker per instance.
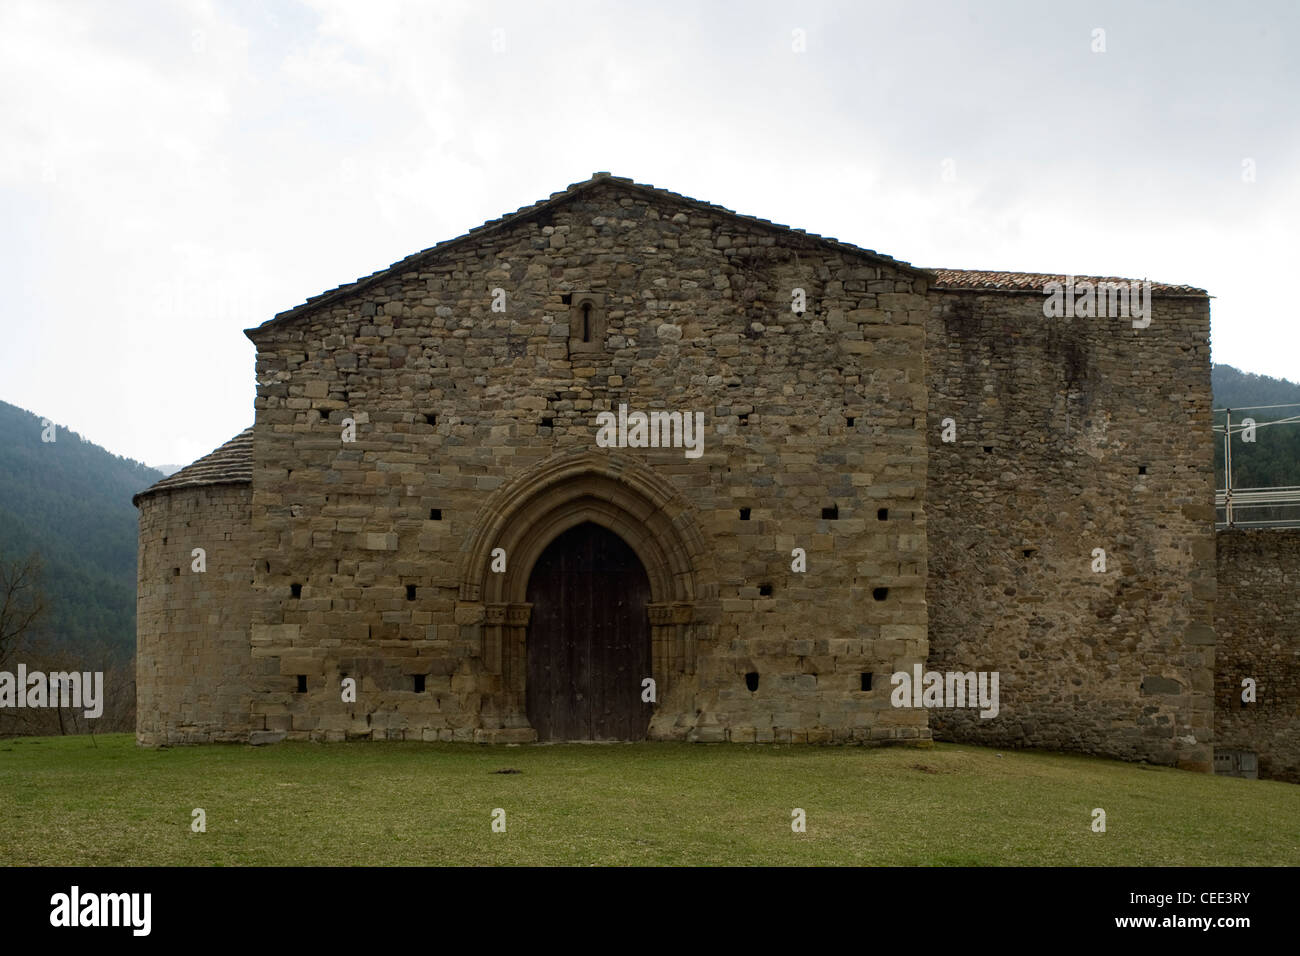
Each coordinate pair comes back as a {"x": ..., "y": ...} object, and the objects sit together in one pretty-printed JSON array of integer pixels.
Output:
[{"x": 173, "y": 173}]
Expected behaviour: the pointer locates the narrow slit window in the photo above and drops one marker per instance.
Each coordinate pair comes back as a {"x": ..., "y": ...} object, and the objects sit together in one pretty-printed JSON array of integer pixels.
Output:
[
  {"x": 586, "y": 319},
  {"x": 419, "y": 683},
  {"x": 302, "y": 683}
]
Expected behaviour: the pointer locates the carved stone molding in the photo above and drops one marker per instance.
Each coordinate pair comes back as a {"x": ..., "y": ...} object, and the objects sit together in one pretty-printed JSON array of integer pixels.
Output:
[{"x": 671, "y": 612}]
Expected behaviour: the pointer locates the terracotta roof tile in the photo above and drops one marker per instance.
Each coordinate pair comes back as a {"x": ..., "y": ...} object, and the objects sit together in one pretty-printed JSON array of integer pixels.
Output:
[
  {"x": 232, "y": 463},
  {"x": 1034, "y": 281}
]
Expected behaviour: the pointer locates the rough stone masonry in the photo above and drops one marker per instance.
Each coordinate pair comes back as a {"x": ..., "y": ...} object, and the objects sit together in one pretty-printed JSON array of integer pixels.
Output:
[{"x": 825, "y": 538}]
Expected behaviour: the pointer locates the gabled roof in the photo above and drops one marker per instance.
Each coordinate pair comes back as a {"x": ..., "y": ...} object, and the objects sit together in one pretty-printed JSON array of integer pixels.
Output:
[
  {"x": 556, "y": 199},
  {"x": 231, "y": 464},
  {"x": 967, "y": 279}
]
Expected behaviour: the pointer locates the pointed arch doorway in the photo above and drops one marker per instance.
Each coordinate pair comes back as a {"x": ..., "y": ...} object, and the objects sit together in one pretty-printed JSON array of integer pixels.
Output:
[
  {"x": 588, "y": 644},
  {"x": 523, "y": 518}
]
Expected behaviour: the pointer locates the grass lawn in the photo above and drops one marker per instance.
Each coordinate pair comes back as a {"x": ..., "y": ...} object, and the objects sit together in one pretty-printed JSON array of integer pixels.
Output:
[{"x": 68, "y": 801}]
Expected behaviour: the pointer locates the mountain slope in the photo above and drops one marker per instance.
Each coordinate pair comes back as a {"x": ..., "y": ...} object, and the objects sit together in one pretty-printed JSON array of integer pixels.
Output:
[
  {"x": 1273, "y": 459},
  {"x": 70, "y": 501}
]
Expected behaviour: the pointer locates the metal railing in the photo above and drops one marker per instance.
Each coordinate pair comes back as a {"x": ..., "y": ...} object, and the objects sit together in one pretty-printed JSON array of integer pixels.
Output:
[{"x": 1240, "y": 507}]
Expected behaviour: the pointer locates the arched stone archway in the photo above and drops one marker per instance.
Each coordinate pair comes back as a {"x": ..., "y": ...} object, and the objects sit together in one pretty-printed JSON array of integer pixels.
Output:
[{"x": 524, "y": 516}]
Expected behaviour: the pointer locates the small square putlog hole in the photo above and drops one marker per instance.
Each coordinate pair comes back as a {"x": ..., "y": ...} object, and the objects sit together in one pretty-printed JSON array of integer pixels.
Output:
[
  {"x": 302, "y": 683},
  {"x": 410, "y": 595},
  {"x": 832, "y": 513},
  {"x": 419, "y": 683},
  {"x": 751, "y": 681},
  {"x": 1142, "y": 469},
  {"x": 435, "y": 514},
  {"x": 880, "y": 594},
  {"x": 765, "y": 590},
  {"x": 295, "y": 590},
  {"x": 882, "y": 514},
  {"x": 744, "y": 514}
]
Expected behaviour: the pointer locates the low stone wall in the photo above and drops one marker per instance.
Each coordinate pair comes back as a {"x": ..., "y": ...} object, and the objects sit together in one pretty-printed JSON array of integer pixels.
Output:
[
  {"x": 1257, "y": 618},
  {"x": 192, "y": 628}
]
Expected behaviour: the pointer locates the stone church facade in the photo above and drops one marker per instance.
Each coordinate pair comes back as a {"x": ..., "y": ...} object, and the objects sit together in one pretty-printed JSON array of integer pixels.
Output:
[{"x": 899, "y": 469}]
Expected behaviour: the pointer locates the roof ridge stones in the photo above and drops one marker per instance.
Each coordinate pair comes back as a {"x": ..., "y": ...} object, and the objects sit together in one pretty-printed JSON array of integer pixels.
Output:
[
  {"x": 952, "y": 279},
  {"x": 553, "y": 200},
  {"x": 231, "y": 463}
]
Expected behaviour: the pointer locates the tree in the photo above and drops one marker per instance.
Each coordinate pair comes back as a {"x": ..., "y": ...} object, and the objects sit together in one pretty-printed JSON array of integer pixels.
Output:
[{"x": 22, "y": 602}]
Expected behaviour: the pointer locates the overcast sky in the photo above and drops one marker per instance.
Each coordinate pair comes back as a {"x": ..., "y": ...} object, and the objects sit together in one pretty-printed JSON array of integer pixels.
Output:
[{"x": 173, "y": 173}]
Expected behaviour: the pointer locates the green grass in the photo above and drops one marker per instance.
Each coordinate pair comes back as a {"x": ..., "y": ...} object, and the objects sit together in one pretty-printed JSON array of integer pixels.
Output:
[{"x": 65, "y": 801}]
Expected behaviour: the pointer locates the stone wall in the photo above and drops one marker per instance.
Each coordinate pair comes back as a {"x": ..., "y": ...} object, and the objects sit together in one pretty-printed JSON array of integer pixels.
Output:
[
  {"x": 192, "y": 643},
  {"x": 1257, "y": 617},
  {"x": 1071, "y": 435},
  {"x": 475, "y": 427},
  {"x": 474, "y": 395}
]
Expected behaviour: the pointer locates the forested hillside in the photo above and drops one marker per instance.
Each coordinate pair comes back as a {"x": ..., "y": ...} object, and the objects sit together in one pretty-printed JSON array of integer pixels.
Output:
[
  {"x": 70, "y": 501},
  {"x": 1273, "y": 459}
]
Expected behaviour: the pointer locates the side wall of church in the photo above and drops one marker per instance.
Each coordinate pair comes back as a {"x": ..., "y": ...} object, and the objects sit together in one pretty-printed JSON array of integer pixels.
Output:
[
  {"x": 193, "y": 666},
  {"x": 1074, "y": 435},
  {"x": 812, "y": 440},
  {"x": 1258, "y": 621}
]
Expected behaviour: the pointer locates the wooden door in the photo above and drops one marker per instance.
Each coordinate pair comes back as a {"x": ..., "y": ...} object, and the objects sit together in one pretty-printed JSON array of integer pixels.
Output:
[{"x": 588, "y": 639}]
